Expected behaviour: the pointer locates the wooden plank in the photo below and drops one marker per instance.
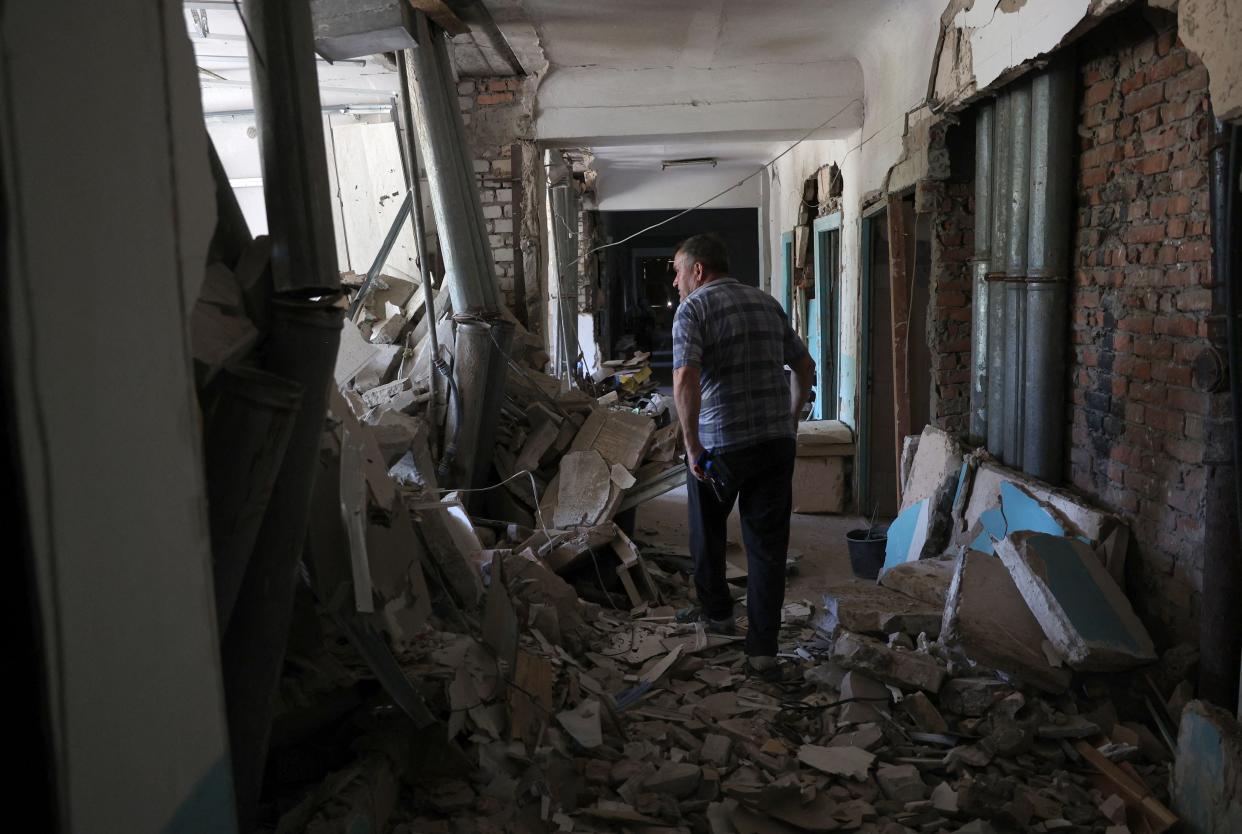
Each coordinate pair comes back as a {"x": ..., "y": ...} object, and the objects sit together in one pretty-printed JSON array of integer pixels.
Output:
[
  {"x": 442, "y": 15},
  {"x": 899, "y": 270},
  {"x": 1134, "y": 792},
  {"x": 531, "y": 696}
]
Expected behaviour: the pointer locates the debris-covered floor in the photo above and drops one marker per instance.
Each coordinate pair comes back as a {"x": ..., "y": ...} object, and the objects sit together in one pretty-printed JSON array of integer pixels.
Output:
[{"x": 509, "y": 660}]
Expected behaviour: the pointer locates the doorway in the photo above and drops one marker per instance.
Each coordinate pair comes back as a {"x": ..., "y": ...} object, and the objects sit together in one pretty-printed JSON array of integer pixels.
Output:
[
  {"x": 877, "y": 470},
  {"x": 825, "y": 321},
  {"x": 652, "y": 323}
]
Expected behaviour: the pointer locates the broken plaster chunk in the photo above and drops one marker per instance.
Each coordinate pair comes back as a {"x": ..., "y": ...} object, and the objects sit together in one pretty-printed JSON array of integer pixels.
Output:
[
  {"x": 873, "y": 609},
  {"x": 585, "y": 488},
  {"x": 987, "y": 618},
  {"x": 944, "y": 798},
  {"x": 926, "y": 580},
  {"x": 715, "y": 750},
  {"x": 583, "y": 723},
  {"x": 851, "y": 762},
  {"x": 677, "y": 779},
  {"x": 924, "y": 713},
  {"x": 913, "y": 670},
  {"x": 972, "y": 696},
  {"x": 1083, "y": 613},
  {"x": 901, "y": 783}
]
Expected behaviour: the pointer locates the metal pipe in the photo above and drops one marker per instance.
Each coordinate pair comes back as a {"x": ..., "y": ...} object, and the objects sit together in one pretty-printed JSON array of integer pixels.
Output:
[
  {"x": 1220, "y": 618},
  {"x": 302, "y": 349},
  {"x": 1015, "y": 273},
  {"x": 1047, "y": 287},
  {"x": 414, "y": 182},
  {"x": 381, "y": 257},
  {"x": 985, "y": 125},
  {"x": 1001, "y": 174},
  {"x": 469, "y": 269},
  {"x": 291, "y": 145}
]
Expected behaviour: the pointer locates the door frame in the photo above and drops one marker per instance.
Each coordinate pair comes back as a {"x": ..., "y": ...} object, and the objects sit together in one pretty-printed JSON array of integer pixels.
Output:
[
  {"x": 877, "y": 214},
  {"x": 825, "y": 325},
  {"x": 787, "y": 266}
]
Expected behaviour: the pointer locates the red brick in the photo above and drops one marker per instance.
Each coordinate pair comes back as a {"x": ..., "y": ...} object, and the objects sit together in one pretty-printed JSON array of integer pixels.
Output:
[
  {"x": 1097, "y": 93},
  {"x": 1143, "y": 98},
  {"x": 1152, "y": 233},
  {"x": 1172, "y": 374},
  {"x": 1199, "y": 250},
  {"x": 1197, "y": 300},
  {"x": 1091, "y": 177},
  {"x": 1184, "y": 450},
  {"x": 1135, "y": 324},
  {"x": 1175, "y": 326},
  {"x": 1176, "y": 228},
  {"x": 494, "y": 98},
  {"x": 1188, "y": 400},
  {"x": 1192, "y": 80},
  {"x": 1167, "y": 66},
  {"x": 1157, "y": 163}
]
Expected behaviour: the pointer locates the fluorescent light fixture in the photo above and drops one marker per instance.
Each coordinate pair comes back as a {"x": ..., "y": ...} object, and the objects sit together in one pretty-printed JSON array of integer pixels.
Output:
[{"x": 679, "y": 163}]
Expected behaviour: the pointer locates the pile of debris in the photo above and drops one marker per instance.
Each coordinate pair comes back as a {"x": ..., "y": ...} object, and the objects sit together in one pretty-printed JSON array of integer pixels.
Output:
[{"x": 536, "y": 709}]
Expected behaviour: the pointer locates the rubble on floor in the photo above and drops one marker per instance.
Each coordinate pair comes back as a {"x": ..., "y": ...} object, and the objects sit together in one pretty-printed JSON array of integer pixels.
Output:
[{"x": 519, "y": 667}]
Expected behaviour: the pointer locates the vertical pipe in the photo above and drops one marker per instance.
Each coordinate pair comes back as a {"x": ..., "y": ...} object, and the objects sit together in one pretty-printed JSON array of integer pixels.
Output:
[
  {"x": 302, "y": 349},
  {"x": 1047, "y": 289},
  {"x": 1220, "y": 618},
  {"x": 985, "y": 125},
  {"x": 1002, "y": 173},
  {"x": 291, "y": 144},
  {"x": 1015, "y": 272},
  {"x": 469, "y": 270}
]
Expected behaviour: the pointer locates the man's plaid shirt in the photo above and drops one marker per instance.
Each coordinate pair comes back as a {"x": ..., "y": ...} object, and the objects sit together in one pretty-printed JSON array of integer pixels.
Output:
[{"x": 740, "y": 340}]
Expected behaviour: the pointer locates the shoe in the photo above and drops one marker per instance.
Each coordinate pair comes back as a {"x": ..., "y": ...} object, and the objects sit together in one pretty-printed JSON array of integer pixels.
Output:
[
  {"x": 771, "y": 670},
  {"x": 727, "y": 626}
]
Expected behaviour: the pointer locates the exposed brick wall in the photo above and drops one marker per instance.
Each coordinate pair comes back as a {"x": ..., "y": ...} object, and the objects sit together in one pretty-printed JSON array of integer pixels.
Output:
[
  {"x": 948, "y": 326},
  {"x": 1141, "y": 298},
  {"x": 496, "y": 112}
]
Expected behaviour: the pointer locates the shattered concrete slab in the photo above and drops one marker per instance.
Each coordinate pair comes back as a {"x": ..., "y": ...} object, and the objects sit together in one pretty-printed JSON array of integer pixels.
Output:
[
  {"x": 933, "y": 478},
  {"x": 1207, "y": 775},
  {"x": 989, "y": 620},
  {"x": 1083, "y": 613},
  {"x": 926, "y": 580},
  {"x": 914, "y": 670},
  {"x": 584, "y": 490},
  {"x": 873, "y": 609}
]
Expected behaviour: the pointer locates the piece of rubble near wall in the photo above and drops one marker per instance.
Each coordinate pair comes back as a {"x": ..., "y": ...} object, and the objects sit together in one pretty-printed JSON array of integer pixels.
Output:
[
  {"x": 987, "y": 618},
  {"x": 1207, "y": 776},
  {"x": 1083, "y": 613}
]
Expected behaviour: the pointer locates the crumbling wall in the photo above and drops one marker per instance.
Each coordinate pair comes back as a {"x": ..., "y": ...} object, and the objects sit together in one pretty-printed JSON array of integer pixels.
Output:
[
  {"x": 497, "y": 116},
  {"x": 948, "y": 328},
  {"x": 1141, "y": 297}
]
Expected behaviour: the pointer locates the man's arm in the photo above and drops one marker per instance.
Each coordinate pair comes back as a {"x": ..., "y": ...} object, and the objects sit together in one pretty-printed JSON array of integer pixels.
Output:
[
  {"x": 799, "y": 383},
  {"x": 689, "y": 399}
]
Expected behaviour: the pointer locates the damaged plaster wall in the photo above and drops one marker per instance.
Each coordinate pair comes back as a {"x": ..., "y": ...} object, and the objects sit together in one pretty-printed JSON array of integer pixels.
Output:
[
  {"x": 107, "y": 425},
  {"x": 984, "y": 45},
  {"x": 1211, "y": 32}
]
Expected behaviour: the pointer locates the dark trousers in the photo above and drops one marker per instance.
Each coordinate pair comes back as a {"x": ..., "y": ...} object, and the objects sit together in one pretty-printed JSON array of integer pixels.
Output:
[{"x": 761, "y": 476}]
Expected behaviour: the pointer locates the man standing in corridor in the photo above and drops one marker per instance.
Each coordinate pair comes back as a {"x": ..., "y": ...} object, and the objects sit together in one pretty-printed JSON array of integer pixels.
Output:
[{"x": 731, "y": 343}]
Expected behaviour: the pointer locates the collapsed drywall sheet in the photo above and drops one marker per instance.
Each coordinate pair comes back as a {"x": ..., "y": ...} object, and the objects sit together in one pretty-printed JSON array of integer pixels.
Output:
[
  {"x": 988, "y": 618},
  {"x": 984, "y": 493},
  {"x": 1082, "y": 611},
  {"x": 907, "y": 536},
  {"x": 1017, "y": 511},
  {"x": 584, "y": 489}
]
